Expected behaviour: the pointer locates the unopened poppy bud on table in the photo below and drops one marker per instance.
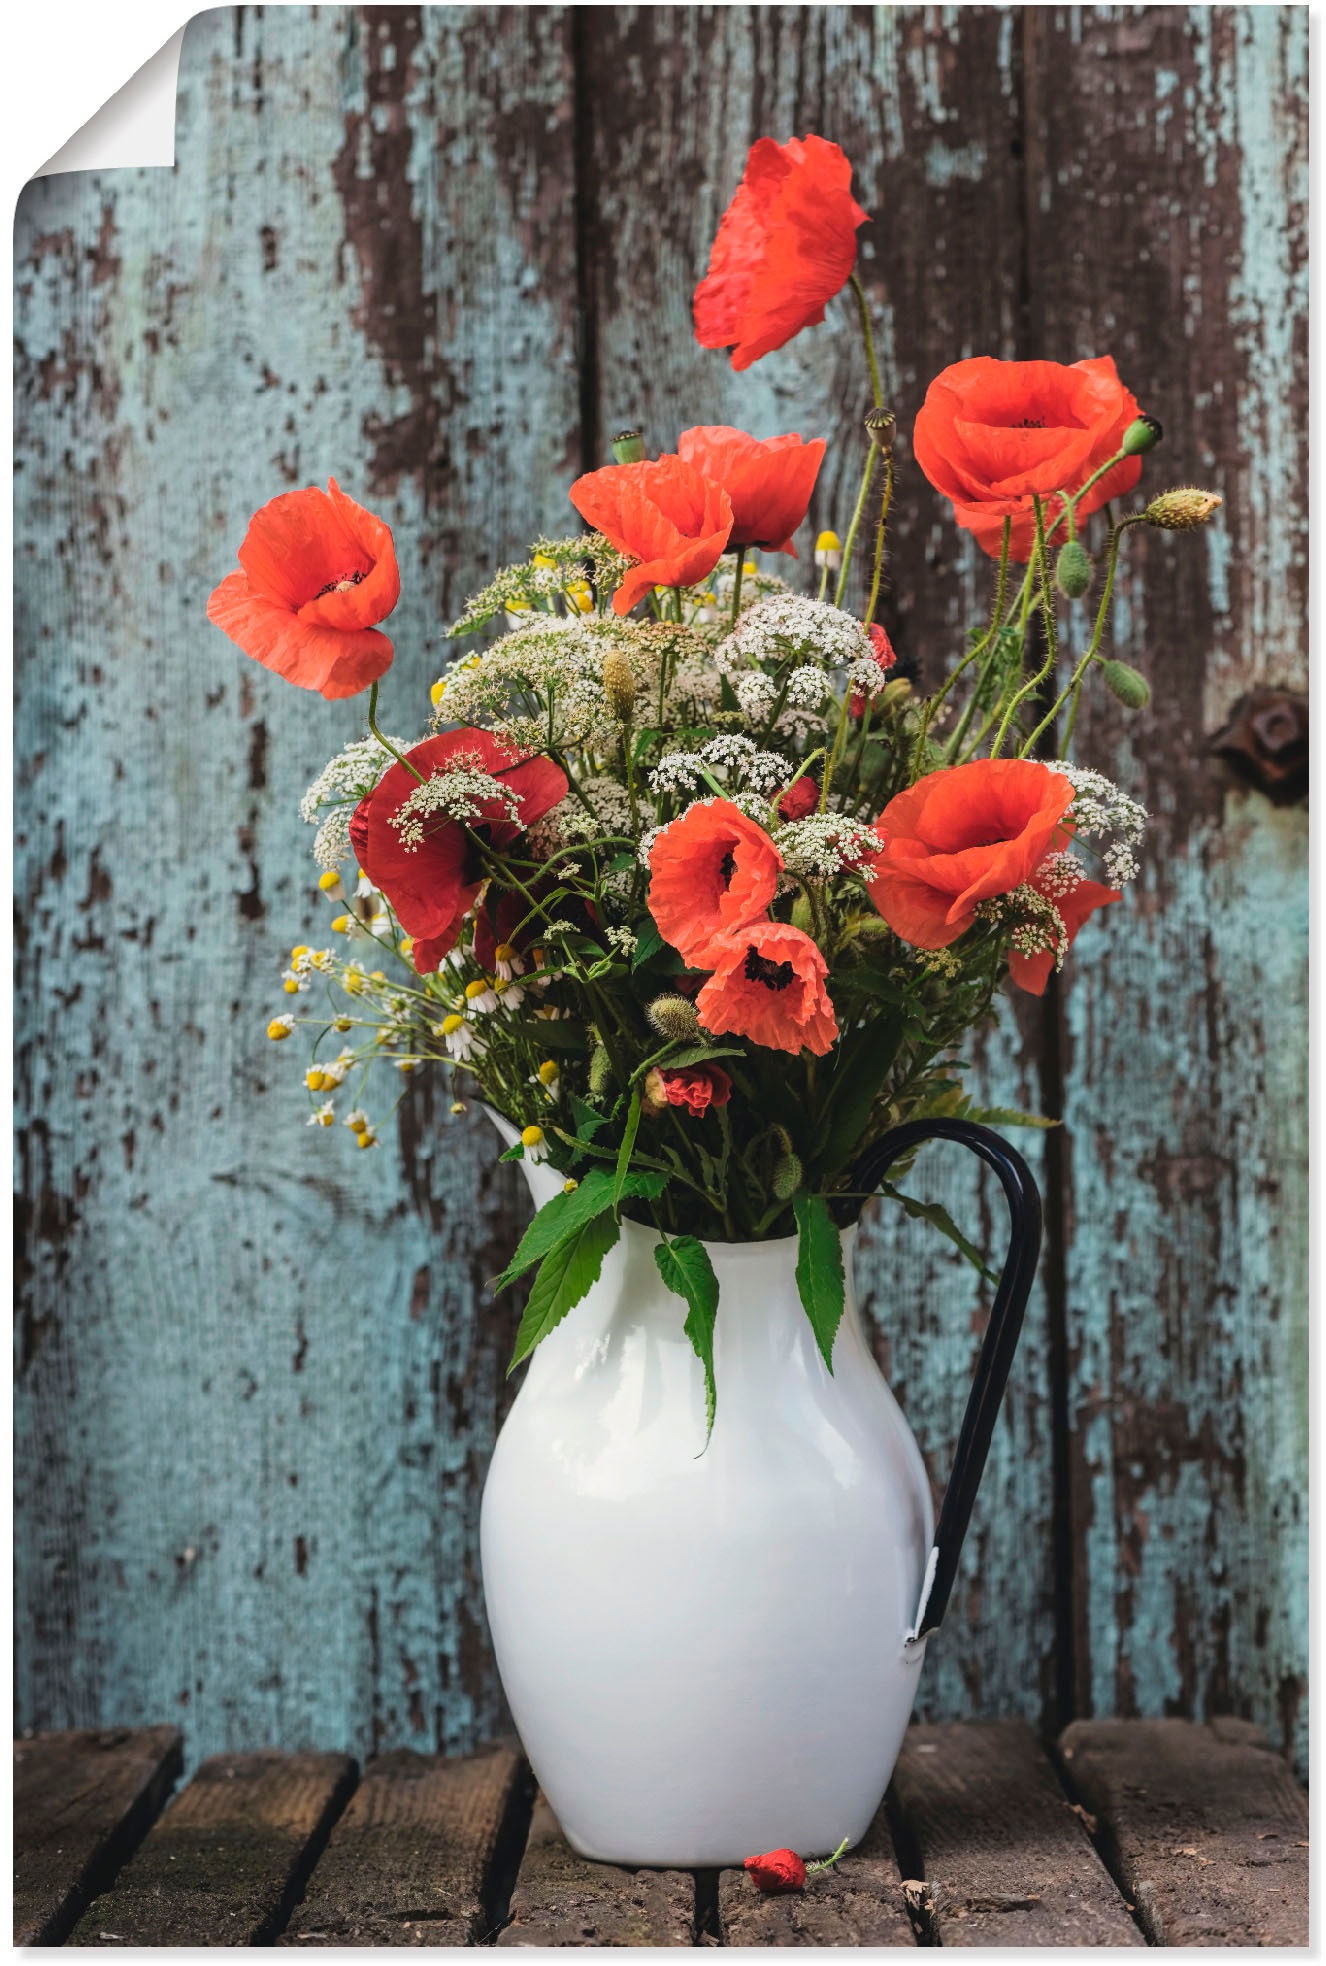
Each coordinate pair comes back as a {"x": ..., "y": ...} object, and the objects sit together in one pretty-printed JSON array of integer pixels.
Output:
[
  {"x": 828, "y": 550},
  {"x": 1142, "y": 435},
  {"x": 628, "y": 447},
  {"x": 1128, "y": 684},
  {"x": 1182, "y": 510},
  {"x": 1072, "y": 569},
  {"x": 777, "y": 1870}
]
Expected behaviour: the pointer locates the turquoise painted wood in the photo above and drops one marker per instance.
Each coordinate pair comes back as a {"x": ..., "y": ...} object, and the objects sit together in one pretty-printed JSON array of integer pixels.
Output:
[{"x": 444, "y": 254}]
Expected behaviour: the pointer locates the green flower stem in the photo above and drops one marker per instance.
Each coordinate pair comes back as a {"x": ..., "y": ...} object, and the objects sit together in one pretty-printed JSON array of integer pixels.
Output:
[
  {"x": 827, "y": 1863},
  {"x": 863, "y": 308},
  {"x": 849, "y": 544},
  {"x": 1073, "y": 688},
  {"x": 879, "y": 540},
  {"x": 736, "y": 584},
  {"x": 972, "y": 655},
  {"x": 386, "y": 742},
  {"x": 1050, "y": 663}
]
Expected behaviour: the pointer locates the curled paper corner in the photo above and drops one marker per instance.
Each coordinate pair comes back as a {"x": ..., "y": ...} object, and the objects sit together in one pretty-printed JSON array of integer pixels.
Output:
[{"x": 135, "y": 128}]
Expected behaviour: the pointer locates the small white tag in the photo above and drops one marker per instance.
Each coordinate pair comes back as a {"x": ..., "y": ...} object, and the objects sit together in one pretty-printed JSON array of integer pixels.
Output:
[{"x": 914, "y": 1635}]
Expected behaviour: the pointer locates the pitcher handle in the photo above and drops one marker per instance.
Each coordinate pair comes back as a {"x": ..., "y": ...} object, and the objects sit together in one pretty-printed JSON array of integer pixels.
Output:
[{"x": 997, "y": 1347}]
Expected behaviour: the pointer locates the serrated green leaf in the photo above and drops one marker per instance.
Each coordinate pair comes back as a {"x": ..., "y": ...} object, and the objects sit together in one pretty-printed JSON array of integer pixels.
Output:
[
  {"x": 565, "y": 1213},
  {"x": 819, "y": 1270},
  {"x": 565, "y": 1275},
  {"x": 624, "y": 1153},
  {"x": 513, "y": 1153},
  {"x": 939, "y": 1218},
  {"x": 1007, "y": 1116},
  {"x": 587, "y": 1118},
  {"x": 686, "y": 1270},
  {"x": 648, "y": 945}
]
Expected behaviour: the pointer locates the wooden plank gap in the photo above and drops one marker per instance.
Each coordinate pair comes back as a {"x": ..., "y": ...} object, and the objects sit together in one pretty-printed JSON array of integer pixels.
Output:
[
  {"x": 561, "y": 1899},
  {"x": 860, "y": 1902},
  {"x": 83, "y": 1801}
]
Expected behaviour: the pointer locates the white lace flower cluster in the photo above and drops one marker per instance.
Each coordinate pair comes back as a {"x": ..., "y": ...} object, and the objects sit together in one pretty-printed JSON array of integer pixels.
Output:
[
  {"x": 792, "y": 628},
  {"x": 605, "y": 811},
  {"x": 464, "y": 792},
  {"x": 550, "y": 671},
  {"x": 826, "y": 844},
  {"x": 343, "y": 781},
  {"x": 1101, "y": 812},
  {"x": 739, "y": 759},
  {"x": 1035, "y": 924}
]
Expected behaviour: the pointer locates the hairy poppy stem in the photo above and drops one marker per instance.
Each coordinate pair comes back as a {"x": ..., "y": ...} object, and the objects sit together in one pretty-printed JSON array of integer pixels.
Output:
[
  {"x": 736, "y": 584},
  {"x": 879, "y": 540},
  {"x": 863, "y": 308},
  {"x": 386, "y": 742}
]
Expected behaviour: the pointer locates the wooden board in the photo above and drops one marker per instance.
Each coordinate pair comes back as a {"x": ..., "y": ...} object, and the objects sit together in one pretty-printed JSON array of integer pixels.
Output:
[
  {"x": 860, "y": 1902},
  {"x": 414, "y": 1859},
  {"x": 224, "y": 1864},
  {"x": 562, "y": 1900},
  {"x": 996, "y": 1853},
  {"x": 1205, "y": 1826},
  {"x": 82, "y": 1801}
]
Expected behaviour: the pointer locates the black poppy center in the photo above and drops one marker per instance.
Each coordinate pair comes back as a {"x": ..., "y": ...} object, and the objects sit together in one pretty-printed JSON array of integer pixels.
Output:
[
  {"x": 727, "y": 867},
  {"x": 759, "y": 969},
  {"x": 341, "y": 586}
]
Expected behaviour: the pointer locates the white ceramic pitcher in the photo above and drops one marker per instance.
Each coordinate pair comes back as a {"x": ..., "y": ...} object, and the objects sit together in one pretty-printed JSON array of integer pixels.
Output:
[{"x": 713, "y": 1651}]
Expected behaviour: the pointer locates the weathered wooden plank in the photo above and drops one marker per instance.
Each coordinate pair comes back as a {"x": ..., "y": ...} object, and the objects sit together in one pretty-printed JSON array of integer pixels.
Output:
[
  {"x": 226, "y": 1861},
  {"x": 413, "y": 1860},
  {"x": 259, "y": 1374},
  {"x": 860, "y": 1902},
  {"x": 562, "y": 1900},
  {"x": 1170, "y": 160},
  {"x": 927, "y": 105},
  {"x": 1001, "y": 1857},
  {"x": 1205, "y": 1826},
  {"x": 82, "y": 1801}
]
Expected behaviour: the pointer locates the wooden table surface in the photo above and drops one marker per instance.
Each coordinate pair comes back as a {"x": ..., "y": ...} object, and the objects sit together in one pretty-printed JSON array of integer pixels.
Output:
[{"x": 1128, "y": 1832}]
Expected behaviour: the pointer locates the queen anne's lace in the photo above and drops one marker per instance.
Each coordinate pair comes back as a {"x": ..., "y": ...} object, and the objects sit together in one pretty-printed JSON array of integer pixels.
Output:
[{"x": 789, "y": 627}]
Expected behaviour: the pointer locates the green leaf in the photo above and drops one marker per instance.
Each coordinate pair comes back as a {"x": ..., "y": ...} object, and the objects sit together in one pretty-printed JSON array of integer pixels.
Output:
[
  {"x": 624, "y": 1153},
  {"x": 588, "y": 1119},
  {"x": 863, "y": 1065},
  {"x": 564, "y": 1214},
  {"x": 686, "y": 1270},
  {"x": 513, "y": 1153},
  {"x": 648, "y": 945},
  {"x": 549, "y": 1034},
  {"x": 939, "y": 1218},
  {"x": 565, "y": 1275},
  {"x": 1006, "y": 1116},
  {"x": 819, "y": 1270}
]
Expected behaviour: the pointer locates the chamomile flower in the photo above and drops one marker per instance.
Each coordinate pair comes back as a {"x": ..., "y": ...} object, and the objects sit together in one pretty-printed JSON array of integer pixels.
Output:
[
  {"x": 460, "y": 1038},
  {"x": 535, "y": 1143},
  {"x": 480, "y": 995},
  {"x": 324, "y": 1115},
  {"x": 507, "y": 962}
]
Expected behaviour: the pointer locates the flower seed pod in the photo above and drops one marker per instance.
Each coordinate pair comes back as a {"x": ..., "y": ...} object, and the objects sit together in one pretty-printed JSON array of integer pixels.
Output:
[
  {"x": 1182, "y": 510},
  {"x": 787, "y": 1177},
  {"x": 881, "y": 424},
  {"x": 1072, "y": 570},
  {"x": 1128, "y": 684},
  {"x": 600, "y": 1067},
  {"x": 1141, "y": 436},
  {"x": 674, "y": 1017},
  {"x": 619, "y": 682},
  {"x": 628, "y": 447}
]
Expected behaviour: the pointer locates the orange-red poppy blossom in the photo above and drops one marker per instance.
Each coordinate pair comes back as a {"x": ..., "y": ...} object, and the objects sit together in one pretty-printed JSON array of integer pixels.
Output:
[
  {"x": 785, "y": 246},
  {"x": 769, "y": 482},
  {"x": 962, "y": 835},
  {"x": 695, "y": 1087},
  {"x": 316, "y": 572},
  {"x": 991, "y": 434},
  {"x": 1075, "y": 905},
  {"x": 886, "y": 659},
  {"x": 710, "y": 872},
  {"x": 665, "y": 515},
  {"x": 433, "y": 886},
  {"x": 769, "y": 985}
]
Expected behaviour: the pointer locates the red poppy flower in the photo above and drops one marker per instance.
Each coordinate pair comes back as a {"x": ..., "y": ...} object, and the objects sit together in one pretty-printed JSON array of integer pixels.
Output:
[
  {"x": 990, "y": 433},
  {"x": 316, "y": 571},
  {"x": 433, "y": 886},
  {"x": 666, "y": 515},
  {"x": 711, "y": 871},
  {"x": 882, "y": 650},
  {"x": 786, "y": 245},
  {"x": 777, "y": 1870},
  {"x": 696, "y": 1087},
  {"x": 768, "y": 985},
  {"x": 799, "y": 800},
  {"x": 768, "y": 483},
  {"x": 1076, "y": 902},
  {"x": 962, "y": 835}
]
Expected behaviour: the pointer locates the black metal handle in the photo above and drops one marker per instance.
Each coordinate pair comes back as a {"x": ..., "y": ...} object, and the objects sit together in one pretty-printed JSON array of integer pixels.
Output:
[{"x": 998, "y": 1346}]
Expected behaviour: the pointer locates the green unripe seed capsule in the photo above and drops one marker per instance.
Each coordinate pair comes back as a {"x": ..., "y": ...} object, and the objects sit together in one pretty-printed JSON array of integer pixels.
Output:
[
  {"x": 628, "y": 447},
  {"x": 803, "y": 915},
  {"x": 1128, "y": 684},
  {"x": 674, "y": 1017},
  {"x": 1072, "y": 569},
  {"x": 787, "y": 1177},
  {"x": 1141, "y": 436},
  {"x": 600, "y": 1068}
]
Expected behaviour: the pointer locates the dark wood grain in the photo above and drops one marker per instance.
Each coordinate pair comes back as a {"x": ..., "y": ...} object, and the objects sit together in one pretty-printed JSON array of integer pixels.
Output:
[
  {"x": 1205, "y": 1826},
  {"x": 560, "y": 1899},
  {"x": 1000, "y": 1856},
  {"x": 82, "y": 1801},
  {"x": 224, "y": 1863},
  {"x": 860, "y": 1902},
  {"x": 412, "y": 1861}
]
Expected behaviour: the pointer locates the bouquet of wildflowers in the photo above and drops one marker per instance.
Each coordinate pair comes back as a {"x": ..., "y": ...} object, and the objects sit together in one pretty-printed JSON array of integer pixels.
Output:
[{"x": 684, "y": 880}]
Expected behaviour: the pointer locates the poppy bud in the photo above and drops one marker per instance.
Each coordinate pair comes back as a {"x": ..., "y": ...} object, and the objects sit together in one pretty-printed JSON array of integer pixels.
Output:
[
  {"x": 803, "y": 915},
  {"x": 619, "y": 682},
  {"x": 1182, "y": 510},
  {"x": 673, "y": 1017},
  {"x": 1142, "y": 435},
  {"x": 828, "y": 550},
  {"x": 628, "y": 447},
  {"x": 600, "y": 1066},
  {"x": 799, "y": 800},
  {"x": 787, "y": 1177},
  {"x": 777, "y": 1870},
  {"x": 1072, "y": 569},
  {"x": 882, "y": 424},
  {"x": 1128, "y": 684}
]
